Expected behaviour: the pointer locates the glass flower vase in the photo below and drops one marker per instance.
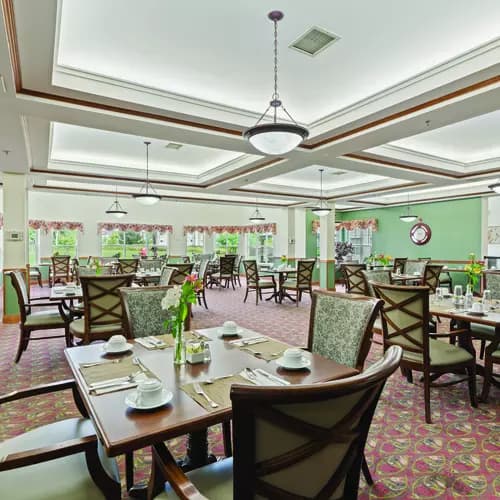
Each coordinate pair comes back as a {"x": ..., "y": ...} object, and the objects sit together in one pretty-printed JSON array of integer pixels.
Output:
[{"x": 179, "y": 345}]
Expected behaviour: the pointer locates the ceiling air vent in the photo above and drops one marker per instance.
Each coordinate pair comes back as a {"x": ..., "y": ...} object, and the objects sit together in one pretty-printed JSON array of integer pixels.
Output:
[
  {"x": 173, "y": 145},
  {"x": 338, "y": 172},
  {"x": 313, "y": 41}
]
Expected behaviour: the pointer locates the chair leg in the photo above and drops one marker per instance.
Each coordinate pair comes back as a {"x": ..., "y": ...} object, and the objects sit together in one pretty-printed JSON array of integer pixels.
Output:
[
  {"x": 408, "y": 374},
  {"x": 275, "y": 295},
  {"x": 488, "y": 374},
  {"x": 39, "y": 277},
  {"x": 483, "y": 348},
  {"x": 260, "y": 294},
  {"x": 226, "y": 435},
  {"x": 246, "y": 296},
  {"x": 366, "y": 470},
  {"x": 427, "y": 397},
  {"x": 129, "y": 470},
  {"x": 297, "y": 297},
  {"x": 23, "y": 343},
  {"x": 257, "y": 296},
  {"x": 204, "y": 299},
  {"x": 471, "y": 371}
]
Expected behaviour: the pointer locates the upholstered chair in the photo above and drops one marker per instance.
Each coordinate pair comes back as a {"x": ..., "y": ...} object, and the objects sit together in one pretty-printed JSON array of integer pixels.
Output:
[
  {"x": 32, "y": 319},
  {"x": 380, "y": 276},
  {"x": 405, "y": 322},
  {"x": 58, "y": 460},
  {"x": 295, "y": 442},
  {"x": 431, "y": 276},
  {"x": 166, "y": 274},
  {"x": 415, "y": 266},
  {"x": 128, "y": 266},
  {"x": 236, "y": 269},
  {"x": 180, "y": 272},
  {"x": 102, "y": 307},
  {"x": 203, "y": 276},
  {"x": 225, "y": 274},
  {"x": 492, "y": 357},
  {"x": 354, "y": 281},
  {"x": 255, "y": 284},
  {"x": 303, "y": 281},
  {"x": 399, "y": 264},
  {"x": 34, "y": 273},
  {"x": 59, "y": 271}
]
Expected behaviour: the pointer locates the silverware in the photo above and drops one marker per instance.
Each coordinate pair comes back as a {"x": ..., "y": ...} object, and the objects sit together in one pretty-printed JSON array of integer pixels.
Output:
[
  {"x": 276, "y": 379},
  {"x": 201, "y": 392},
  {"x": 97, "y": 363},
  {"x": 114, "y": 381},
  {"x": 212, "y": 380},
  {"x": 139, "y": 363},
  {"x": 156, "y": 342},
  {"x": 114, "y": 388}
]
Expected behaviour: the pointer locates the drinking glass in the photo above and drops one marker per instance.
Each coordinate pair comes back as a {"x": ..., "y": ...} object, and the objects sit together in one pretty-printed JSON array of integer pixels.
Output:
[
  {"x": 458, "y": 291},
  {"x": 439, "y": 294},
  {"x": 486, "y": 300}
]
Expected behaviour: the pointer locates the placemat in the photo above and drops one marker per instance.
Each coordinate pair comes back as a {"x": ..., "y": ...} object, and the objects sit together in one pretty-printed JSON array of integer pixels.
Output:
[
  {"x": 169, "y": 341},
  {"x": 268, "y": 350},
  {"x": 218, "y": 391}
]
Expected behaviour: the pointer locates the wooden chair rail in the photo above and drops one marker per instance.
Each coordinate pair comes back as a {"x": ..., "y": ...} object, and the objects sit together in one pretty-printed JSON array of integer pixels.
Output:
[{"x": 37, "y": 390}]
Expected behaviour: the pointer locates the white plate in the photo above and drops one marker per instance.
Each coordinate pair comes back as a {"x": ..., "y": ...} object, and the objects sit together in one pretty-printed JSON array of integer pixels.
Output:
[
  {"x": 125, "y": 348},
  {"x": 306, "y": 363},
  {"x": 166, "y": 397},
  {"x": 237, "y": 332}
]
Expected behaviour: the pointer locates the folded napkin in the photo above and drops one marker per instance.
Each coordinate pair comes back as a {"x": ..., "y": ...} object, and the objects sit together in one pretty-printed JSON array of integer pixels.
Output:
[
  {"x": 166, "y": 340},
  {"x": 267, "y": 350}
]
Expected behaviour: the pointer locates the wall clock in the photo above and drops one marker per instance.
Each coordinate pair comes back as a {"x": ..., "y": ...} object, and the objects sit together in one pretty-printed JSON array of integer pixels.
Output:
[{"x": 420, "y": 233}]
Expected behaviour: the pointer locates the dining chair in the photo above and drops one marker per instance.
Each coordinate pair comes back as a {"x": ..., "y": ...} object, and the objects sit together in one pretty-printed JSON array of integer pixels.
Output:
[
  {"x": 203, "y": 276},
  {"x": 292, "y": 442},
  {"x": 340, "y": 328},
  {"x": 255, "y": 284},
  {"x": 102, "y": 307},
  {"x": 180, "y": 272},
  {"x": 492, "y": 357},
  {"x": 399, "y": 264},
  {"x": 431, "y": 276},
  {"x": 378, "y": 275},
  {"x": 34, "y": 273},
  {"x": 303, "y": 281},
  {"x": 151, "y": 264},
  {"x": 166, "y": 274},
  {"x": 52, "y": 318},
  {"x": 58, "y": 460},
  {"x": 405, "y": 322},
  {"x": 59, "y": 271},
  {"x": 354, "y": 281},
  {"x": 236, "y": 270},
  {"x": 127, "y": 266},
  {"x": 415, "y": 266},
  {"x": 225, "y": 273}
]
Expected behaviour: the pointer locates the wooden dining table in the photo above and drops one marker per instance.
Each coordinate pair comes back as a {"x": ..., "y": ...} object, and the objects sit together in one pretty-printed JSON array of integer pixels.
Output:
[
  {"x": 123, "y": 430},
  {"x": 282, "y": 273}
]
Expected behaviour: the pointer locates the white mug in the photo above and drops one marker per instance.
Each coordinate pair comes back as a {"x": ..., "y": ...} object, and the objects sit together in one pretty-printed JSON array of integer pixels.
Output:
[
  {"x": 477, "y": 307},
  {"x": 229, "y": 327},
  {"x": 116, "y": 343},
  {"x": 293, "y": 356},
  {"x": 149, "y": 392}
]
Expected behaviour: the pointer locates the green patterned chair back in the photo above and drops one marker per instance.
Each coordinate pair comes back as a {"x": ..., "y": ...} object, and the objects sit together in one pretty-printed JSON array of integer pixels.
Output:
[
  {"x": 180, "y": 273},
  {"x": 415, "y": 266},
  {"x": 227, "y": 265},
  {"x": 150, "y": 264},
  {"x": 305, "y": 268},
  {"x": 101, "y": 300},
  {"x": 492, "y": 283},
  {"x": 405, "y": 318},
  {"x": 354, "y": 280},
  {"x": 378, "y": 275},
  {"x": 126, "y": 266},
  {"x": 305, "y": 441},
  {"x": 166, "y": 275},
  {"x": 19, "y": 283},
  {"x": 431, "y": 276},
  {"x": 251, "y": 271},
  {"x": 340, "y": 326},
  {"x": 143, "y": 315},
  {"x": 399, "y": 264}
]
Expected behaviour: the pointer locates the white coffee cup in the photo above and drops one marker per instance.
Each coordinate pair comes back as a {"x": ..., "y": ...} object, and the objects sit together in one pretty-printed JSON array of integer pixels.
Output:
[
  {"x": 293, "y": 357},
  {"x": 149, "y": 392},
  {"x": 477, "y": 307},
  {"x": 229, "y": 328},
  {"x": 116, "y": 343}
]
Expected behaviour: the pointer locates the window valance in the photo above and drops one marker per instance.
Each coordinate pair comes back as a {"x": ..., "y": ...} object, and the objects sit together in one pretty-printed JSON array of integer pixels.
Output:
[
  {"x": 349, "y": 225},
  {"x": 116, "y": 226},
  {"x": 255, "y": 228},
  {"x": 197, "y": 229},
  {"x": 47, "y": 225}
]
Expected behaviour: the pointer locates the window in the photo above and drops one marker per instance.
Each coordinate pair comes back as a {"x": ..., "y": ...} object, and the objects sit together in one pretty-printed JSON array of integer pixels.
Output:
[
  {"x": 128, "y": 244},
  {"x": 65, "y": 242},
  {"x": 195, "y": 243},
  {"x": 34, "y": 246},
  {"x": 361, "y": 240},
  {"x": 226, "y": 243},
  {"x": 260, "y": 246}
]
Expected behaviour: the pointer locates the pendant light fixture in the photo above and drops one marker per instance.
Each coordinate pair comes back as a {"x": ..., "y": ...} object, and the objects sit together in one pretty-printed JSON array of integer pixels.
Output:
[
  {"x": 256, "y": 216},
  {"x": 408, "y": 217},
  {"x": 116, "y": 209},
  {"x": 147, "y": 195},
  {"x": 495, "y": 187},
  {"x": 322, "y": 209},
  {"x": 275, "y": 138}
]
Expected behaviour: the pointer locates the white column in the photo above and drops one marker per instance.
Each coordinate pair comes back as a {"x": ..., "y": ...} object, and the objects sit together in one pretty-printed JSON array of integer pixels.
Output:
[
  {"x": 242, "y": 244},
  {"x": 209, "y": 242},
  {"x": 327, "y": 249},
  {"x": 291, "y": 234},
  {"x": 177, "y": 241},
  {"x": 300, "y": 233}
]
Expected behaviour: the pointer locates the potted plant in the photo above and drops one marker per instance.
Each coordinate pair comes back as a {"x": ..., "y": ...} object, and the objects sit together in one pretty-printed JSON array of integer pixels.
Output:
[{"x": 473, "y": 271}]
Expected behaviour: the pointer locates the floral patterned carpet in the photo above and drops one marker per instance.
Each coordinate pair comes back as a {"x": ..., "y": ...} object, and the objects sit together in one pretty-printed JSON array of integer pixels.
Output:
[{"x": 456, "y": 457}]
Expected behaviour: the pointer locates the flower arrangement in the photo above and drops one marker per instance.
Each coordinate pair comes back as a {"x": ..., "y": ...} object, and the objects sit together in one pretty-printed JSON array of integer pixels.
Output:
[
  {"x": 473, "y": 270},
  {"x": 176, "y": 303},
  {"x": 96, "y": 264},
  {"x": 343, "y": 249},
  {"x": 383, "y": 259}
]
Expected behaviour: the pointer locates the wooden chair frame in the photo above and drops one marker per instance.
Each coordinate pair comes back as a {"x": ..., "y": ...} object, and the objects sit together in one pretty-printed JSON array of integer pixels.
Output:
[
  {"x": 225, "y": 272},
  {"x": 236, "y": 270},
  {"x": 399, "y": 263},
  {"x": 127, "y": 266},
  {"x": 252, "y": 403},
  {"x": 180, "y": 273},
  {"x": 59, "y": 271},
  {"x": 253, "y": 278},
  {"x": 431, "y": 276},
  {"x": 489, "y": 376},
  {"x": 203, "y": 276},
  {"x": 305, "y": 269},
  {"x": 351, "y": 272},
  {"x": 25, "y": 306},
  {"x": 38, "y": 274},
  {"x": 421, "y": 293}
]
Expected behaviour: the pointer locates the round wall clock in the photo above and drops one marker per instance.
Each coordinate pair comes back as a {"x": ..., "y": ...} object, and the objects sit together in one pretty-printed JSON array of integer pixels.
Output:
[{"x": 420, "y": 233}]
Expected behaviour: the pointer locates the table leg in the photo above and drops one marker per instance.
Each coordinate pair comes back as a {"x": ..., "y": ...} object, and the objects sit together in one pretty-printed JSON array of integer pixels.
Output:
[{"x": 197, "y": 451}]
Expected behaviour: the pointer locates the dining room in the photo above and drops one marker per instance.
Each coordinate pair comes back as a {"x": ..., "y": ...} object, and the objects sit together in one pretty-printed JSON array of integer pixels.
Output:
[{"x": 239, "y": 270}]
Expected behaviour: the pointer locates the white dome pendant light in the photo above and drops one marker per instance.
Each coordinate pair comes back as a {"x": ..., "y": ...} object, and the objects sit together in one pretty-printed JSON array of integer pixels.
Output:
[
  {"x": 116, "y": 209},
  {"x": 322, "y": 209},
  {"x": 147, "y": 195}
]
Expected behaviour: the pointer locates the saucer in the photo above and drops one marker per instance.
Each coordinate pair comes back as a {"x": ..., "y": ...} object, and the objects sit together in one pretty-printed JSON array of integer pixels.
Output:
[
  {"x": 130, "y": 400},
  {"x": 306, "y": 363},
  {"x": 476, "y": 313},
  {"x": 232, "y": 334},
  {"x": 125, "y": 348}
]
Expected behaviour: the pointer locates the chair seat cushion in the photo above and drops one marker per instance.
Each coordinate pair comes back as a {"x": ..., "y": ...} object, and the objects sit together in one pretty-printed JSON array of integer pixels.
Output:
[
  {"x": 441, "y": 353},
  {"x": 293, "y": 284},
  {"x": 45, "y": 318},
  {"x": 77, "y": 328},
  {"x": 214, "y": 481},
  {"x": 263, "y": 284},
  {"x": 60, "y": 479},
  {"x": 482, "y": 331}
]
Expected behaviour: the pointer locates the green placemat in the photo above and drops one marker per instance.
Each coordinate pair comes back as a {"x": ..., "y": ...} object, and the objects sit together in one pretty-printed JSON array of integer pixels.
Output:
[
  {"x": 107, "y": 370},
  {"x": 169, "y": 341},
  {"x": 218, "y": 391},
  {"x": 268, "y": 350}
]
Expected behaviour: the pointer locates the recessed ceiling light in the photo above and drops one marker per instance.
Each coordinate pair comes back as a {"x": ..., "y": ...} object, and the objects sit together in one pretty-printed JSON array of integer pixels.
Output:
[
  {"x": 313, "y": 41},
  {"x": 173, "y": 145},
  {"x": 339, "y": 172}
]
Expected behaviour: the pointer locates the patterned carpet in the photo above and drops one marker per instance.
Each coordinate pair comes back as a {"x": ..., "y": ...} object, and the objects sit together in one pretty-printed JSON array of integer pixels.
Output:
[{"x": 456, "y": 457}]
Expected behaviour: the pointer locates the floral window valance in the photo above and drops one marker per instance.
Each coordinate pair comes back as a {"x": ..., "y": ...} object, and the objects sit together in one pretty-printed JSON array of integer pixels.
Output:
[
  {"x": 47, "y": 225},
  {"x": 197, "y": 229},
  {"x": 349, "y": 225},
  {"x": 116, "y": 226},
  {"x": 255, "y": 228}
]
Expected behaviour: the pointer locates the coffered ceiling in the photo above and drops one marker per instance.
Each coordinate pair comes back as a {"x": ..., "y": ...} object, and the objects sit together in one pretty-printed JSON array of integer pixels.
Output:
[{"x": 407, "y": 100}]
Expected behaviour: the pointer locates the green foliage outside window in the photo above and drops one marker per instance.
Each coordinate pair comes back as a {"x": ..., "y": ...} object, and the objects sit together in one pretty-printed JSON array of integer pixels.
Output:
[
  {"x": 226, "y": 243},
  {"x": 129, "y": 243},
  {"x": 65, "y": 242}
]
